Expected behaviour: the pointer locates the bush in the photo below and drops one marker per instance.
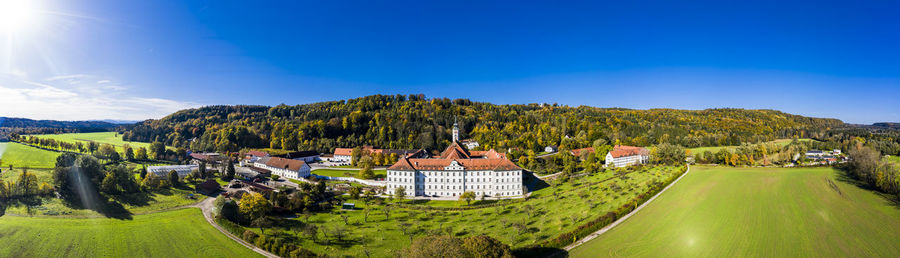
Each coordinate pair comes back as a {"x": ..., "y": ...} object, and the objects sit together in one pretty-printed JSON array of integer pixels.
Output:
[{"x": 249, "y": 236}]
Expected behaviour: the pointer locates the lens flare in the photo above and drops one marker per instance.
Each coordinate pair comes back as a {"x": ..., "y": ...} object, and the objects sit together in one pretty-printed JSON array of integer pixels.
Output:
[{"x": 18, "y": 15}]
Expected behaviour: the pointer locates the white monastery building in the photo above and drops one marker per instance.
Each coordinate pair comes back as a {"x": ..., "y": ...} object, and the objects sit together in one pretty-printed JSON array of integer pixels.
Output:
[
  {"x": 457, "y": 170},
  {"x": 288, "y": 168},
  {"x": 623, "y": 156}
]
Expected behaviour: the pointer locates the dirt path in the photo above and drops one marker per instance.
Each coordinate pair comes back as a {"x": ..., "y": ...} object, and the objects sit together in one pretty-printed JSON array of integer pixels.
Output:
[
  {"x": 206, "y": 207},
  {"x": 614, "y": 224}
]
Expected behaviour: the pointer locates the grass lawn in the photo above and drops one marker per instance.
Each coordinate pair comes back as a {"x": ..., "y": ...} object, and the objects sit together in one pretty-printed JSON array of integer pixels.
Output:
[
  {"x": 780, "y": 142},
  {"x": 894, "y": 159},
  {"x": 138, "y": 203},
  {"x": 44, "y": 175},
  {"x": 20, "y": 155},
  {"x": 551, "y": 211},
  {"x": 757, "y": 212},
  {"x": 178, "y": 233},
  {"x": 346, "y": 173},
  {"x": 99, "y": 137}
]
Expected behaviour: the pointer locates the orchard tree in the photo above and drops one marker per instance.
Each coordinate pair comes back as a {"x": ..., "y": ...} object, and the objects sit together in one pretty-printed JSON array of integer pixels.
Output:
[
  {"x": 400, "y": 193},
  {"x": 254, "y": 206},
  {"x": 468, "y": 197}
]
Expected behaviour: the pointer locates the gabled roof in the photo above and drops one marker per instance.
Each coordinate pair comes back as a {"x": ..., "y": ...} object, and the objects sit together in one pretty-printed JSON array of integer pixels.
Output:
[
  {"x": 455, "y": 151},
  {"x": 501, "y": 164},
  {"x": 625, "y": 151},
  {"x": 578, "y": 152},
  {"x": 258, "y": 153},
  {"x": 289, "y": 164}
]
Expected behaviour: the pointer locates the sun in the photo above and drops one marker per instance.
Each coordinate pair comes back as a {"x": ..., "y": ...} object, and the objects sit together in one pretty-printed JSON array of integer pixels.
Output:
[{"x": 18, "y": 15}]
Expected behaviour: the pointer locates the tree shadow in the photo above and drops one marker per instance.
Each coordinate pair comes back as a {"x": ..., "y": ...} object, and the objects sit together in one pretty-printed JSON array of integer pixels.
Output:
[
  {"x": 843, "y": 175},
  {"x": 540, "y": 252},
  {"x": 103, "y": 205},
  {"x": 133, "y": 199}
]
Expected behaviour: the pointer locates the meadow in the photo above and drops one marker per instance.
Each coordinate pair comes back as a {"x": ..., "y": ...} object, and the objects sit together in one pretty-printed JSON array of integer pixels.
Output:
[
  {"x": 560, "y": 207},
  {"x": 346, "y": 173},
  {"x": 779, "y": 142},
  {"x": 893, "y": 159},
  {"x": 20, "y": 155},
  {"x": 177, "y": 233},
  {"x": 111, "y": 138},
  {"x": 758, "y": 212}
]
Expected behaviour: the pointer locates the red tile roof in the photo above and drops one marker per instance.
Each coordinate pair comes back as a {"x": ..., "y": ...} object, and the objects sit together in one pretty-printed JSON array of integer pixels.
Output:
[
  {"x": 577, "y": 152},
  {"x": 625, "y": 151},
  {"x": 289, "y": 164},
  {"x": 258, "y": 153},
  {"x": 474, "y": 160}
]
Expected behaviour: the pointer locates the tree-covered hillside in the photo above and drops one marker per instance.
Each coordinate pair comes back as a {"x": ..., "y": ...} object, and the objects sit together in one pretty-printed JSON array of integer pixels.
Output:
[{"x": 407, "y": 122}]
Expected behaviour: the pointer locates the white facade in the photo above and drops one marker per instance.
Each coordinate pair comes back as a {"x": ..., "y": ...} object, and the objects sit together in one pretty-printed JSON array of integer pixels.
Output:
[
  {"x": 470, "y": 144},
  {"x": 341, "y": 158},
  {"x": 163, "y": 171},
  {"x": 455, "y": 180},
  {"x": 626, "y": 160},
  {"x": 303, "y": 172}
]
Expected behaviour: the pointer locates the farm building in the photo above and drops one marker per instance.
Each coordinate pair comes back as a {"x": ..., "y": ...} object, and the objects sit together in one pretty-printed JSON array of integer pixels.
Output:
[{"x": 163, "y": 171}]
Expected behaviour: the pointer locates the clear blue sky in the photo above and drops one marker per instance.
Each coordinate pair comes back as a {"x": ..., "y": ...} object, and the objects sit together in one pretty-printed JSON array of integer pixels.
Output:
[{"x": 144, "y": 59}]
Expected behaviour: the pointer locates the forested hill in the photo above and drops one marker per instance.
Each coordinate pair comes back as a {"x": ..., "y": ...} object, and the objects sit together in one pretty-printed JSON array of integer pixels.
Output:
[
  {"x": 407, "y": 122},
  {"x": 28, "y": 123},
  {"x": 27, "y": 126}
]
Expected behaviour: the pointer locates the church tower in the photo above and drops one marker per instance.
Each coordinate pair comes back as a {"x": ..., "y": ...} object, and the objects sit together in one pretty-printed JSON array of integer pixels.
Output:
[{"x": 455, "y": 131}]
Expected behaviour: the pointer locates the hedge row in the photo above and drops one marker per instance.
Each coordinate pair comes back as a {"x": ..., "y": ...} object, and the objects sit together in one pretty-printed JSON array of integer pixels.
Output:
[
  {"x": 591, "y": 226},
  {"x": 473, "y": 207},
  {"x": 277, "y": 246},
  {"x": 271, "y": 244}
]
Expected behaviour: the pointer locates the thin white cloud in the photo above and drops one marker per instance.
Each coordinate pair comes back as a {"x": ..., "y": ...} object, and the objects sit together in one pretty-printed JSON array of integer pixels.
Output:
[{"x": 79, "y": 97}]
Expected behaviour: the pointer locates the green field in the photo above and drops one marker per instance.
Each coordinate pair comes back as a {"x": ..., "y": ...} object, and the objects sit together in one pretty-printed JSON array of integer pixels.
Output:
[
  {"x": 894, "y": 159},
  {"x": 20, "y": 155},
  {"x": 100, "y": 137},
  {"x": 548, "y": 213},
  {"x": 780, "y": 142},
  {"x": 178, "y": 233},
  {"x": 346, "y": 173},
  {"x": 757, "y": 212}
]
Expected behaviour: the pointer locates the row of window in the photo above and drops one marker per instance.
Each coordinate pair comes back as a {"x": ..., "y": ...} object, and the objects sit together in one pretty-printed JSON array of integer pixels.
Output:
[{"x": 455, "y": 174}]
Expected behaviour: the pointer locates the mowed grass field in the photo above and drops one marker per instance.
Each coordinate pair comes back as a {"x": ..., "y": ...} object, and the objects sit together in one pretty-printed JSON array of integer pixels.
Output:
[
  {"x": 99, "y": 137},
  {"x": 20, "y": 155},
  {"x": 178, "y": 233},
  {"x": 780, "y": 142},
  {"x": 345, "y": 173},
  {"x": 757, "y": 212}
]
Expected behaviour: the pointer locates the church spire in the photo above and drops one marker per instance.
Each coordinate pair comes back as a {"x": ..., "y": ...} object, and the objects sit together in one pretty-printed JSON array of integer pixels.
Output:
[{"x": 455, "y": 130}]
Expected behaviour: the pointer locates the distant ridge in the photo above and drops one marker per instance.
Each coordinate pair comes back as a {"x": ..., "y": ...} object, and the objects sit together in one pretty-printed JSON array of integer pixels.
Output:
[
  {"x": 13, "y": 122},
  {"x": 118, "y": 122},
  {"x": 893, "y": 125}
]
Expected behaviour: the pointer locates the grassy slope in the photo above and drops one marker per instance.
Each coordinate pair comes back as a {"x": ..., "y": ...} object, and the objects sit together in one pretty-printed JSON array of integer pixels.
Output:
[
  {"x": 100, "y": 137},
  {"x": 20, "y": 155},
  {"x": 894, "y": 159},
  {"x": 551, "y": 216},
  {"x": 738, "y": 212},
  {"x": 179, "y": 233},
  {"x": 342, "y": 173}
]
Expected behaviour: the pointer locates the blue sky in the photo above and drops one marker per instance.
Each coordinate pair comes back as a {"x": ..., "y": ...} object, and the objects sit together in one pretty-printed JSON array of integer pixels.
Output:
[{"x": 106, "y": 59}]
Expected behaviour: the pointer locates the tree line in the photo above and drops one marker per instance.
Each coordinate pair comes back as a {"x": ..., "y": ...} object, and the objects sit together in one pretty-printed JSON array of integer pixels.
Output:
[{"x": 413, "y": 121}]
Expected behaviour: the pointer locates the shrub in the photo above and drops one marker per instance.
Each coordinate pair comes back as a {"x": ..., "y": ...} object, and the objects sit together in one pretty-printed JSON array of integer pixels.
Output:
[{"x": 249, "y": 236}]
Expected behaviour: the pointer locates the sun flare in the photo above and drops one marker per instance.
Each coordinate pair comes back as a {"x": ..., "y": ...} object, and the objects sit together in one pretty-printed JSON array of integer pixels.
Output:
[{"x": 18, "y": 15}]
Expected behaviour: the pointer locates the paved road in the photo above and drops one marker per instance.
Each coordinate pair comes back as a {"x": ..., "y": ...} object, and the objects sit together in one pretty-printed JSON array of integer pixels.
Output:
[
  {"x": 614, "y": 224},
  {"x": 206, "y": 207}
]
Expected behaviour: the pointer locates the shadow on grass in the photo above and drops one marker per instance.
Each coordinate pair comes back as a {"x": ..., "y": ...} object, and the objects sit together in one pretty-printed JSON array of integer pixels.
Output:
[
  {"x": 540, "y": 252},
  {"x": 843, "y": 175}
]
